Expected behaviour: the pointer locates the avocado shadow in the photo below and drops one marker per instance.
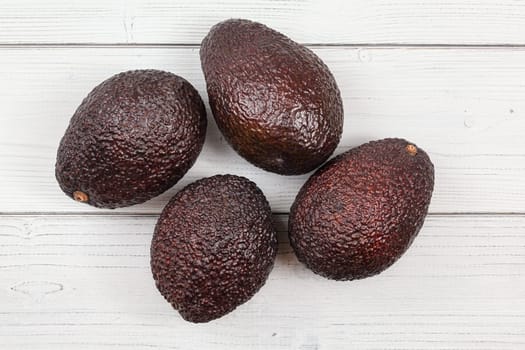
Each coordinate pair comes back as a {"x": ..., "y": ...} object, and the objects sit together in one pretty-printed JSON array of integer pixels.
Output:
[
  {"x": 285, "y": 254},
  {"x": 215, "y": 142}
]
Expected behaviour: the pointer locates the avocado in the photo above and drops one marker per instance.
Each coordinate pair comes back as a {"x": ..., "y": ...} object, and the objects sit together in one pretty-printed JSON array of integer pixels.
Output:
[
  {"x": 132, "y": 138},
  {"x": 273, "y": 99},
  {"x": 213, "y": 247},
  {"x": 361, "y": 211}
]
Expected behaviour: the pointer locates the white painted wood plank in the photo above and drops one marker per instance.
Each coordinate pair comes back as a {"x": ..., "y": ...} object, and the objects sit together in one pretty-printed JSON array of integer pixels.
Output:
[
  {"x": 475, "y": 22},
  {"x": 465, "y": 107},
  {"x": 83, "y": 282}
]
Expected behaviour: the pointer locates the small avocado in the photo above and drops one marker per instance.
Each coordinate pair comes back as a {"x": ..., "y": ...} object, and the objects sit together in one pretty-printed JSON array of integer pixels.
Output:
[
  {"x": 213, "y": 247},
  {"x": 361, "y": 211},
  {"x": 132, "y": 138},
  {"x": 274, "y": 100}
]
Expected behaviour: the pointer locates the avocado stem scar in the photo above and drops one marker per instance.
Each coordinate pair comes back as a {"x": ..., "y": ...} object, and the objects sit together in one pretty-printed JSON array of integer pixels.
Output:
[
  {"x": 411, "y": 149},
  {"x": 80, "y": 196}
]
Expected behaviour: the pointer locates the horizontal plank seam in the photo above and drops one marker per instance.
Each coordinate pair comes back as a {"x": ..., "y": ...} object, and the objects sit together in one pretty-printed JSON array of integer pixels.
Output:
[
  {"x": 149, "y": 214},
  {"x": 315, "y": 45}
]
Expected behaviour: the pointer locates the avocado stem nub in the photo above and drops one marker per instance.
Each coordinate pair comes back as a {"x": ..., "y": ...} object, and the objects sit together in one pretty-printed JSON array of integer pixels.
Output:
[
  {"x": 411, "y": 149},
  {"x": 80, "y": 196}
]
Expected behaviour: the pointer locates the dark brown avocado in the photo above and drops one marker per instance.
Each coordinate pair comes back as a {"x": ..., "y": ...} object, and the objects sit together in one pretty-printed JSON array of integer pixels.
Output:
[
  {"x": 132, "y": 138},
  {"x": 213, "y": 247},
  {"x": 274, "y": 100},
  {"x": 361, "y": 211}
]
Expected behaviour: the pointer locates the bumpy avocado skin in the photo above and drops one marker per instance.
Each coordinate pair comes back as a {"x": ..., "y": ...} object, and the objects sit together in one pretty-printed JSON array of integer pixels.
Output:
[
  {"x": 361, "y": 211},
  {"x": 213, "y": 247},
  {"x": 132, "y": 138},
  {"x": 274, "y": 100}
]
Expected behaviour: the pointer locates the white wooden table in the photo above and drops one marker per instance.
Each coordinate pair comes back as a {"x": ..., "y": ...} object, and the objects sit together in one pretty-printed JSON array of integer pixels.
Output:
[{"x": 448, "y": 75}]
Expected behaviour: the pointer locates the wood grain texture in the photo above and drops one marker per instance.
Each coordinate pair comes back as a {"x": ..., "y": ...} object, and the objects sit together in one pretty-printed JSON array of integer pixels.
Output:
[
  {"x": 80, "y": 280},
  {"x": 473, "y": 22},
  {"x": 84, "y": 283},
  {"x": 465, "y": 107}
]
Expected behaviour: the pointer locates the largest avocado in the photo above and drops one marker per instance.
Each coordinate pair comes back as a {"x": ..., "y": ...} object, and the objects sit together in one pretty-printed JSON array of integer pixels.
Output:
[
  {"x": 132, "y": 138},
  {"x": 274, "y": 100}
]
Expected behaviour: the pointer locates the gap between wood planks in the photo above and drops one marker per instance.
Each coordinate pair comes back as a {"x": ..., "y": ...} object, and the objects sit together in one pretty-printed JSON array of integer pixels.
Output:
[
  {"x": 149, "y": 214},
  {"x": 316, "y": 45}
]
